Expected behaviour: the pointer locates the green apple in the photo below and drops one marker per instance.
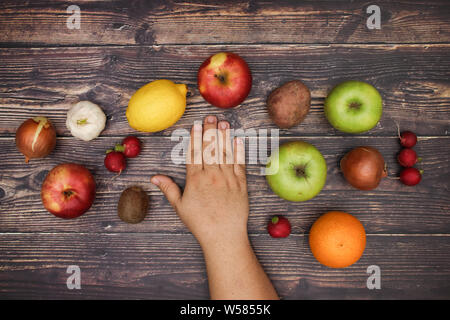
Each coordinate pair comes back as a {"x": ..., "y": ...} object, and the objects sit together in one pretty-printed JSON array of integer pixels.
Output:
[
  {"x": 297, "y": 171},
  {"x": 353, "y": 107}
]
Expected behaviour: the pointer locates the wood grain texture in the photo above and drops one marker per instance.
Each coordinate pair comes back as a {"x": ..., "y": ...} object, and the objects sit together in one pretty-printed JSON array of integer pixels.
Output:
[
  {"x": 134, "y": 266},
  {"x": 144, "y": 22},
  {"x": 122, "y": 45},
  {"x": 391, "y": 208},
  {"x": 413, "y": 80}
]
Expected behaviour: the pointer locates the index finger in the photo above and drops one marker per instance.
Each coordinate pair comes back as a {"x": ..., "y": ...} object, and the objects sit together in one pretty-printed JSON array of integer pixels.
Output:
[{"x": 194, "y": 161}]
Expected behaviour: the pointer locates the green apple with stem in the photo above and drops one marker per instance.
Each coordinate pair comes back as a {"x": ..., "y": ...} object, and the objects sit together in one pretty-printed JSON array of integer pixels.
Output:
[
  {"x": 297, "y": 171},
  {"x": 353, "y": 106}
]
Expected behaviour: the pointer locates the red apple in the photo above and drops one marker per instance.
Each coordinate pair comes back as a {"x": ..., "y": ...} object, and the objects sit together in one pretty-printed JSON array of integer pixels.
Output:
[
  {"x": 68, "y": 190},
  {"x": 224, "y": 80}
]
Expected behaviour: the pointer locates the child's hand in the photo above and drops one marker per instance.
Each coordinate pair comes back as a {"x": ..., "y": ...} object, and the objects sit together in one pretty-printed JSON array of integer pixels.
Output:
[{"x": 214, "y": 204}]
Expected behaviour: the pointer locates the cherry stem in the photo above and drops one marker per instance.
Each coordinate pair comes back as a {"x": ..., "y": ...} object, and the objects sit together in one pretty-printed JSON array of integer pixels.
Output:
[
  {"x": 119, "y": 148},
  {"x": 398, "y": 130},
  {"x": 393, "y": 178}
]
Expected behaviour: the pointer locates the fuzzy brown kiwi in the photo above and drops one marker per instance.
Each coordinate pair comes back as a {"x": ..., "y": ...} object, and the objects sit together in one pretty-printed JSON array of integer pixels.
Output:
[{"x": 133, "y": 205}]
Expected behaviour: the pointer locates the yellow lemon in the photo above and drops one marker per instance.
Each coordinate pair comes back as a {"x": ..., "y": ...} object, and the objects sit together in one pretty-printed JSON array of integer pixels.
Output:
[{"x": 156, "y": 106}]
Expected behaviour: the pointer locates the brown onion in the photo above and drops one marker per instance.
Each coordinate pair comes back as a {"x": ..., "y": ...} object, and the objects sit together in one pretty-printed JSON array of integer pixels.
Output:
[
  {"x": 363, "y": 167},
  {"x": 36, "y": 138}
]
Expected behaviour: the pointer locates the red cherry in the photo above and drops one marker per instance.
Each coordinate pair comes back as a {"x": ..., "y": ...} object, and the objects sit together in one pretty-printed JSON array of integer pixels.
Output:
[
  {"x": 132, "y": 146},
  {"x": 279, "y": 227},
  {"x": 408, "y": 139},
  {"x": 410, "y": 176},
  {"x": 407, "y": 157},
  {"x": 115, "y": 161}
]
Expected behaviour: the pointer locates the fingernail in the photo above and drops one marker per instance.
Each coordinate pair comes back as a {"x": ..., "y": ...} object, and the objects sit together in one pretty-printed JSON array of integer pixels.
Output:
[
  {"x": 197, "y": 127},
  {"x": 210, "y": 119},
  {"x": 155, "y": 181},
  {"x": 223, "y": 125}
]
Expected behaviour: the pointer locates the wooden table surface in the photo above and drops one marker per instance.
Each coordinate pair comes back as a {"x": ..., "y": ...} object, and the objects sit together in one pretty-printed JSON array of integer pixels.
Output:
[{"x": 121, "y": 45}]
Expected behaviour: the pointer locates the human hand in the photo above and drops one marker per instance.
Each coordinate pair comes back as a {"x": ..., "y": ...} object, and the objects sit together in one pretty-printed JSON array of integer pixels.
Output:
[{"x": 214, "y": 205}]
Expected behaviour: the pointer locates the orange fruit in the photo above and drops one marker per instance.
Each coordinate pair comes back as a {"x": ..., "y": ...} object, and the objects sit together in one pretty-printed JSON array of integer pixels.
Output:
[{"x": 337, "y": 239}]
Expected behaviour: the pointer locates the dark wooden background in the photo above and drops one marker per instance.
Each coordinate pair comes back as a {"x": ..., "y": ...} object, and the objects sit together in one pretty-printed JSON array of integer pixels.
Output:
[{"x": 45, "y": 67}]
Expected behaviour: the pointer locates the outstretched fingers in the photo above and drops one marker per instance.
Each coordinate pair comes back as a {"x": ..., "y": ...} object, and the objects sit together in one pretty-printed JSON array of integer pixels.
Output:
[{"x": 210, "y": 147}]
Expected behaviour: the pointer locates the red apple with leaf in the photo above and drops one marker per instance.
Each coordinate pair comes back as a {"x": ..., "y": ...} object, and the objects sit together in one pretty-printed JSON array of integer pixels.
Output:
[
  {"x": 224, "y": 80},
  {"x": 68, "y": 190}
]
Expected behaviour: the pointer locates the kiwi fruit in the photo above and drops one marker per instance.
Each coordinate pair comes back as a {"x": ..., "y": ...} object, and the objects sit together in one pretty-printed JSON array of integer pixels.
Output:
[
  {"x": 133, "y": 205},
  {"x": 289, "y": 104}
]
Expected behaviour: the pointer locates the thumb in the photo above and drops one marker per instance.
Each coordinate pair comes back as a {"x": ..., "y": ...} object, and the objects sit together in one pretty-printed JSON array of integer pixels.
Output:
[{"x": 168, "y": 187}]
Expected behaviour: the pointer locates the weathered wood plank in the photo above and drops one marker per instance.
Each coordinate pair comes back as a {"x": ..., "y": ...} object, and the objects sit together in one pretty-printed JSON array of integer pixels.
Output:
[
  {"x": 130, "y": 266},
  {"x": 413, "y": 80},
  {"x": 391, "y": 208},
  {"x": 143, "y": 22}
]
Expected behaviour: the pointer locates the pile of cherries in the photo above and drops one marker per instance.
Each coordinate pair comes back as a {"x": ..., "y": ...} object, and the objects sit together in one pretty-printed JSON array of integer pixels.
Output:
[
  {"x": 115, "y": 160},
  {"x": 407, "y": 158}
]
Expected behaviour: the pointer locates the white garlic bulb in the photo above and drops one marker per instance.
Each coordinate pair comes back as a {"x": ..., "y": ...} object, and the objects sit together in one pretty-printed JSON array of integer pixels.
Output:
[{"x": 85, "y": 120}]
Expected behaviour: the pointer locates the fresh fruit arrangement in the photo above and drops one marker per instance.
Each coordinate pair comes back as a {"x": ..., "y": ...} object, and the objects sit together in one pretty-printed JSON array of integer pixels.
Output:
[{"x": 297, "y": 171}]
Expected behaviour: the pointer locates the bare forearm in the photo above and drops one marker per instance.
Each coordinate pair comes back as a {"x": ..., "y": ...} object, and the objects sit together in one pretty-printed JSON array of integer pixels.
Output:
[
  {"x": 214, "y": 206},
  {"x": 235, "y": 273}
]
